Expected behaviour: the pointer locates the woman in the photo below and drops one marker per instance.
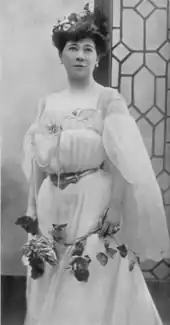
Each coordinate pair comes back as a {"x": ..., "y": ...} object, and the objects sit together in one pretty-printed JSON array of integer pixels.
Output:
[{"x": 84, "y": 155}]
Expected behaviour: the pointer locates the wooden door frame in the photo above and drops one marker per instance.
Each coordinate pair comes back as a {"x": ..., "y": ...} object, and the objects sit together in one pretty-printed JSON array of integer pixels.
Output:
[{"x": 103, "y": 73}]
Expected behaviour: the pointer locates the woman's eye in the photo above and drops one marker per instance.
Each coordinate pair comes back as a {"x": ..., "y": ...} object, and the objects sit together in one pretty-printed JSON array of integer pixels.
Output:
[
  {"x": 72, "y": 48},
  {"x": 88, "y": 49}
]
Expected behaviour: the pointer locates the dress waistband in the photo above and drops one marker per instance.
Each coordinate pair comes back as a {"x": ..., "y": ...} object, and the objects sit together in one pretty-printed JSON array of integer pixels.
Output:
[{"x": 64, "y": 179}]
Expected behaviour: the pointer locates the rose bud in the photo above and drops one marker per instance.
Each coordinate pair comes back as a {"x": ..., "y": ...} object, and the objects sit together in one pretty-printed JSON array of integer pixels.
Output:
[
  {"x": 78, "y": 249},
  {"x": 122, "y": 250}
]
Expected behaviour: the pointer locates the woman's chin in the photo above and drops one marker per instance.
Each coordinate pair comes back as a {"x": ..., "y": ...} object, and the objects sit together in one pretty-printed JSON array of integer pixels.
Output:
[{"x": 80, "y": 74}]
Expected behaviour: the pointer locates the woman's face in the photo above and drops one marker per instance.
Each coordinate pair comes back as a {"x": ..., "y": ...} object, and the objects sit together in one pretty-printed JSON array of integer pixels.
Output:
[{"x": 79, "y": 58}]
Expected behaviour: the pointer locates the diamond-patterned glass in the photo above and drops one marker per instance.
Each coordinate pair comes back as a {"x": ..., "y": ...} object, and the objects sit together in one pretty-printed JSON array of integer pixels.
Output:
[
  {"x": 167, "y": 209},
  {"x": 164, "y": 181},
  {"x": 167, "y": 157},
  {"x": 130, "y": 3},
  {"x": 157, "y": 164},
  {"x": 160, "y": 3},
  {"x": 115, "y": 73},
  {"x": 134, "y": 112},
  {"x": 156, "y": 30},
  {"x": 165, "y": 51},
  {"x": 143, "y": 77},
  {"x": 132, "y": 63},
  {"x": 159, "y": 139},
  {"x": 168, "y": 103},
  {"x": 154, "y": 115},
  {"x": 144, "y": 90},
  {"x": 167, "y": 196},
  {"x": 116, "y": 13},
  {"x": 168, "y": 75},
  {"x": 126, "y": 89},
  {"x": 168, "y": 129},
  {"x": 160, "y": 93},
  {"x": 146, "y": 131},
  {"x": 156, "y": 64},
  {"x": 115, "y": 36},
  {"x": 132, "y": 29},
  {"x": 145, "y": 8},
  {"x": 120, "y": 51},
  {"x": 162, "y": 271}
]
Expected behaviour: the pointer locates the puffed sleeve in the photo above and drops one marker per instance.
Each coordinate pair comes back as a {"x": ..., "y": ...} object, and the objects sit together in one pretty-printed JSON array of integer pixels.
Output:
[
  {"x": 143, "y": 225},
  {"x": 27, "y": 143}
]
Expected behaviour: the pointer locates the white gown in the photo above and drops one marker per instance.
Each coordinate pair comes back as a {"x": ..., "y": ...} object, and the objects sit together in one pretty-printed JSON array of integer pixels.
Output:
[{"x": 113, "y": 295}]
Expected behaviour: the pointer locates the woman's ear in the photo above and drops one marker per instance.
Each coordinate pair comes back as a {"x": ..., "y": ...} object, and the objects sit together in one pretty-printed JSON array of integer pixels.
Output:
[
  {"x": 98, "y": 60},
  {"x": 60, "y": 56}
]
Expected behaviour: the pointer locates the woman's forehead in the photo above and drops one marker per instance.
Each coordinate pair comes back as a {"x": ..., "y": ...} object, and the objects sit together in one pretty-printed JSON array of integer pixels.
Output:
[{"x": 85, "y": 41}]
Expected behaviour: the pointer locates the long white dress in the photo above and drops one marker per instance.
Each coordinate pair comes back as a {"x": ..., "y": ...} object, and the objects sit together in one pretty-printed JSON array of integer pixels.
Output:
[{"x": 106, "y": 133}]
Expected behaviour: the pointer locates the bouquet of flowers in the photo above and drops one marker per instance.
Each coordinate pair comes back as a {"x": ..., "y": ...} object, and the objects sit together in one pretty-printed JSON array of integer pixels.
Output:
[{"x": 40, "y": 249}]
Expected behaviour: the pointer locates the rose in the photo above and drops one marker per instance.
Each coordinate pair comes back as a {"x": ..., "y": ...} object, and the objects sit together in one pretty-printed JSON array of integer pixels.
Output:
[
  {"x": 67, "y": 26},
  {"x": 38, "y": 251},
  {"x": 73, "y": 17},
  {"x": 80, "y": 266},
  {"x": 53, "y": 128},
  {"x": 78, "y": 249},
  {"x": 83, "y": 14},
  {"x": 37, "y": 266}
]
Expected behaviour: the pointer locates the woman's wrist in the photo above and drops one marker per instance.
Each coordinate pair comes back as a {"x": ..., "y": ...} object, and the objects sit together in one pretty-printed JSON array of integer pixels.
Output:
[{"x": 31, "y": 212}]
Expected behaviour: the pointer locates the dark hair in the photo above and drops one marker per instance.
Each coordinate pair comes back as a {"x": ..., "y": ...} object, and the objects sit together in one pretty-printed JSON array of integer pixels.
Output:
[{"x": 93, "y": 25}]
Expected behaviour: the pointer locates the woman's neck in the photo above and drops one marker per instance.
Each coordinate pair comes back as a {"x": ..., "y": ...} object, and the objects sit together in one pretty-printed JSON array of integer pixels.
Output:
[{"x": 80, "y": 86}]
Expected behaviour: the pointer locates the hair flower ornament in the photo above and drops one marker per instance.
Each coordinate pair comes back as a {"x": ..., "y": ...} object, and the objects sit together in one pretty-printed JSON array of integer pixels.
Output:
[
  {"x": 91, "y": 23},
  {"x": 75, "y": 19}
]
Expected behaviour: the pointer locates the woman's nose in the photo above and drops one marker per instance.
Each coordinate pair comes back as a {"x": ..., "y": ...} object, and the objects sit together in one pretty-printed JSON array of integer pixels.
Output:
[{"x": 80, "y": 56}]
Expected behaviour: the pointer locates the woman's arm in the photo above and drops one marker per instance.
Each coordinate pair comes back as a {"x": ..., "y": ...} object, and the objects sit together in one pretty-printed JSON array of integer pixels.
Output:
[
  {"x": 34, "y": 174},
  {"x": 35, "y": 183},
  {"x": 117, "y": 193}
]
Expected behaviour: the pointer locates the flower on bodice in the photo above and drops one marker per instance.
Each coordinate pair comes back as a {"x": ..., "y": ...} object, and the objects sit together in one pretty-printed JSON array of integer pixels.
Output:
[{"x": 54, "y": 128}]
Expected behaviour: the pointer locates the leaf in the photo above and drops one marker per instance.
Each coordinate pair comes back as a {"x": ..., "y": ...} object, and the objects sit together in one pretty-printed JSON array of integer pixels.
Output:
[
  {"x": 116, "y": 228},
  {"x": 106, "y": 244},
  {"x": 78, "y": 249},
  {"x": 102, "y": 258},
  {"x": 122, "y": 250},
  {"x": 28, "y": 224},
  {"x": 86, "y": 7},
  {"x": 59, "y": 233},
  {"x": 111, "y": 252},
  {"x": 87, "y": 258},
  {"x": 132, "y": 265},
  {"x": 60, "y": 227}
]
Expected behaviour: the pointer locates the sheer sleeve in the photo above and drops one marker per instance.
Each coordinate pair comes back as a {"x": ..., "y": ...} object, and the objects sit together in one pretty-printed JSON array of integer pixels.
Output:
[
  {"x": 27, "y": 143},
  {"x": 144, "y": 227}
]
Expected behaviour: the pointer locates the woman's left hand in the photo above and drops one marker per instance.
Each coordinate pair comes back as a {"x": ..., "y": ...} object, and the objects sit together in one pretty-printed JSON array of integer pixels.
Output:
[{"x": 109, "y": 226}]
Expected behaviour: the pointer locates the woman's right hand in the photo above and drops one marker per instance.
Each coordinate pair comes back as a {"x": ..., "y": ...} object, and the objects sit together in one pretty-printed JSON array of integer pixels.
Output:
[{"x": 31, "y": 212}]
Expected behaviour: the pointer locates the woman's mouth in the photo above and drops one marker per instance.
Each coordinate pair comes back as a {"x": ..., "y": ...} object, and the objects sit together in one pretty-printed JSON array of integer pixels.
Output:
[{"x": 79, "y": 66}]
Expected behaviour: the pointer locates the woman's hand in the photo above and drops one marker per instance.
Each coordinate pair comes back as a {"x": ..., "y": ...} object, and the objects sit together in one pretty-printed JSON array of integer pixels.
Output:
[
  {"x": 109, "y": 225},
  {"x": 31, "y": 212}
]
